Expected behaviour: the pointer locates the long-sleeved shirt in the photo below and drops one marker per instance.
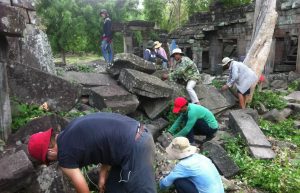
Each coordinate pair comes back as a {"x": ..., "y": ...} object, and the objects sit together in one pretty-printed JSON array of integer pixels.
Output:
[
  {"x": 185, "y": 69},
  {"x": 199, "y": 170},
  {"x": 241, "y": 75},
  {"x": 152, "y": 55},
  {"x": 162, "y": 52},
  {"x": 194, "y": 112}
]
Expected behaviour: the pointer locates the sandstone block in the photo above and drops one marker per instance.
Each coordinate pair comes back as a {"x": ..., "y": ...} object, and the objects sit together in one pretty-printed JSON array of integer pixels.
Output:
[{"x": 154, "y": 107}]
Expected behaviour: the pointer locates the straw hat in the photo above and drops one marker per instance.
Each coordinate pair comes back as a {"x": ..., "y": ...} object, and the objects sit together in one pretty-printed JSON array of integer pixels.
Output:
[
  {"x": 177, "y": 51},
  {"x": 180, "y": 148},
  {"x": 157, "y": 44},
  {"x": 226, "y": 60}
]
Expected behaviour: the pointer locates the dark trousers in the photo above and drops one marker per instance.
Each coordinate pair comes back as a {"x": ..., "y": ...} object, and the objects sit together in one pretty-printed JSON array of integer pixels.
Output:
[
  {"x": 200, "y": 128},
  {"x": 183, "y": 185},
  {"x": 141, "y": 177}
]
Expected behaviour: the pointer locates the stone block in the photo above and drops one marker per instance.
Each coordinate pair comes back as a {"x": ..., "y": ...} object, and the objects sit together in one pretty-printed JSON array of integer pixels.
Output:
[
  {"x": 279, "y": 84},
  {"x": 262, "y": 152},
  {"x": 294, "y": 97},
  {"x": 33, "y": 19},
  {"x": 165, "y": 139},
  {"x": 144, "y": 84},
  {"x": 274, "y": 115},
  {"x": 293, "y": 76},
  {"x": 130, "y": 61},
  {"x": 252, "y": 112},
  {"x": 89, "y": 79},
  {"x": 155, "y": 127},
  {"x": 219, "y": 157},
  {"x": 27, "y": 4},
  {"x": 14, "y": 52},
  {"x": 246, "y": 125},
  {"x": 36, "y": 125},
  {"x": 12, "y": 22},
  {"x": 295, "y": 107},
  {"x": 113, "y": 97},
  {"x": 154, "y": 107},
  {"x": 7, "y": 2},
  {"x": 50, "y": 179},
  {"x": 36, "y": 50},
  {"x": 16, "y": 170},
  {"x": 213, "y": 99},
  {"x": 31, "y": 85}
]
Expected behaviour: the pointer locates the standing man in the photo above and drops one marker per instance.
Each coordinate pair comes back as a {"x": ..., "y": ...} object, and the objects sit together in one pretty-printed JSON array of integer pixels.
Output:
[
  {"x": 122, "y": 145},
  {"x": 106, "y": 43},
  {"x": 186, "y": 70},
  {"x": 196, "y": 120},
  {"x": 240, "y": 75},
  {"x": 194, "y": 173}
]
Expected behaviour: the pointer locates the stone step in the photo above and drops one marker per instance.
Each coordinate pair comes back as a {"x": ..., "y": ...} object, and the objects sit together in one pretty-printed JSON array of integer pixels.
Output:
[
  {"x": 219, "y": 157},
  {"x": 284, "y": 68},
  {"x": 114, "y": 97},
  {"x": 144, "y": 84},
  {"x": 289, "y": 62},
  {"x": 292, "y": 57},
  {"x": 245, "y": 124}
]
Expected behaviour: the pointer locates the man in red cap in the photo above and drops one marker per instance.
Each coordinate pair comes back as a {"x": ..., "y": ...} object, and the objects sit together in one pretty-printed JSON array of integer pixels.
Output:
[
  {"x": 196, "y": 118},
  {"x": 121, "y": 144}
]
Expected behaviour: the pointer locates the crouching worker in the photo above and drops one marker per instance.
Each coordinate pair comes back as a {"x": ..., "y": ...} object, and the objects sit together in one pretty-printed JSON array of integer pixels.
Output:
[
  {"x": 194, "y": 173},
  {"x": 121, "y": 144},
  {"x": 196, "y": 120}
]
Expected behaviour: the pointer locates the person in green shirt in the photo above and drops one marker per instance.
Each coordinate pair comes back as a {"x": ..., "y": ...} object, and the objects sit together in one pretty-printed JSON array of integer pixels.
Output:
[{"x": 193, "y": 119}]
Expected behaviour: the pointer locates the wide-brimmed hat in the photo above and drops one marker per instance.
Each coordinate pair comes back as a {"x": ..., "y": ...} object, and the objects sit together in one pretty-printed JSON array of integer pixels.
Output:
[
  {"x": 157, "y": 44},
  {"x": 180, "y": 148},
  {"x": 179, "y": 102},
  {"x": 150, "y": 44},
  {"x": 177, "y": 51},
  {"x": 38, "y": 145},
  {"x": 226, "y": 60}
]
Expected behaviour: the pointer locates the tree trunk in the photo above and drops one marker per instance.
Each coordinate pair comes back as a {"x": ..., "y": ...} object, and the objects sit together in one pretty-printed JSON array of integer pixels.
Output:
[
  {"x": 298, "y": 56},
  {"x": 265, "y": 17},
  {"x": 63, "y": 56}
]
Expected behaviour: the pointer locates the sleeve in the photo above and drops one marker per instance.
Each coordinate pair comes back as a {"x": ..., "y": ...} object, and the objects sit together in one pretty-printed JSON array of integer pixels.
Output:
[
  {"x": 189, "y": 125},
  {"x": 179, "y": 70},
  {"x": 146, "y": 55},
  {"x": 161, "y": 57},
  {"x": 176, "y": 124},
  {"x": 233, "y": 76},
  {"x": 178, "y": 172}
]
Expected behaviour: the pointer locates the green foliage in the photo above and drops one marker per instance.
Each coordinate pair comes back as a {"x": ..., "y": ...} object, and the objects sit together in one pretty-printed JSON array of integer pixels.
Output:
[
  {"x": 193, "y": 6},
  {"x": 284, "y": 130},
  {"x": 153, "y": 10},
  {"x": 295, "y": 85},
  {"x": 277, "y": 175},
  {"x": 235, "y": 3},
  {"x": 23, "y": 113},
  {"x": 270, "y": 99},
  {"x": 84, "y": 68},
  {"x": 218, "y": 84}
]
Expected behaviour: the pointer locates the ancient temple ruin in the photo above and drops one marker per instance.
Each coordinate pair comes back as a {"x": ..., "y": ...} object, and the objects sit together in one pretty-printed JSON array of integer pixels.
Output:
[{"x": 221, "y": 32}]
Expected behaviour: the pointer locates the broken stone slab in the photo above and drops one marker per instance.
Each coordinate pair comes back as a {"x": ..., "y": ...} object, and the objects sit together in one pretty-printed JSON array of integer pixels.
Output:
[
  {"x": 276, "y": 116},
  {"x": 36, "y": 125},
  {"x": 130, "y": 61},
  {"x": 279, "y": 84},
  {"x": 154, "y": 107},
  {"x": 245, "y": 124},
  {"x": 27, "y": 4},
  {"x": 7, "y": 2},
  {"x": 294, "y": 97},
  {"x": 16, "y": 172},
  {"x": 293, "y": 76},
  {"x": 219, "y": 157},
  {"x": 30, "y": 85},
  {"x": 165, "y": 139},
  {"x": 213, "y": 99},
  {"x": 262, "y": 152},
  {"x": 294, "y": 106},
  {"x": 144, "y": 84},
  {"x": 156, "y": 126},
  {"x": 50, "y": 179},
  {"x": 36, "y": 50},
  {"x": 252, "y": 112},
  {"x": 113, "y": 97},
  {"x": 89, "y": 79},
  {"x": 12, "y": 22}
]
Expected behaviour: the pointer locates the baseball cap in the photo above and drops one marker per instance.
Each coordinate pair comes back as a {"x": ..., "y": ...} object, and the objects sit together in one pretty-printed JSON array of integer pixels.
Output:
[
  {"x": 179, "y": 102},
  {"x": 38, "y": 145}
]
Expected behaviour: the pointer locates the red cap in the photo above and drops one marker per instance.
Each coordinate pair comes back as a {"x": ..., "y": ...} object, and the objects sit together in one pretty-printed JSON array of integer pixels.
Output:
[
  {"x": 38, "y": 145},
  {"x": 179, "y": 102}
]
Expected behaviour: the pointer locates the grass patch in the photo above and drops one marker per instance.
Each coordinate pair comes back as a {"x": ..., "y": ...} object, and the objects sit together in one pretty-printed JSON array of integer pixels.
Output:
[
  {"x": 76, "y": 59},
  {"x": 270, "y": 99}
]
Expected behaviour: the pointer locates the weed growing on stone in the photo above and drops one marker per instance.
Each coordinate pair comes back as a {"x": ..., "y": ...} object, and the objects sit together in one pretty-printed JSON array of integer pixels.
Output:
[
  {"x": 270, "y": 99},
  {"x": 84, "y": 68},
  {"x": 295, "y": 85},
  {"x": 218, "y": 84},
  {"x": 281, "y": 174}
]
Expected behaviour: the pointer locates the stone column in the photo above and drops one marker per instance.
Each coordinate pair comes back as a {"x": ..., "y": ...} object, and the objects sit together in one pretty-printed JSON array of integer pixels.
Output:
[
  {"x": 215, "y": 52},
  {"x": 298, "y": 55},
  {"x": 128, "y": 42},
  {"x": 5, "y": 112},
  {"x": 197, "y": 55}
]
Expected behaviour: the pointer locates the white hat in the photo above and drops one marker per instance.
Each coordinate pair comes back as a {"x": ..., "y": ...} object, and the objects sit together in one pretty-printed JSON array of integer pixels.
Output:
[
  {"x": 157, "y": 44},
  {"x": 180, "y": 148},
  {"x": 226, "y": 60},
  {"x": 176, "y": 51}
]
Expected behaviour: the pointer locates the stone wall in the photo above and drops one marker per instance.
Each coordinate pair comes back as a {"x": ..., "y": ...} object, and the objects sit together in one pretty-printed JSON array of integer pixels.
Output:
[{"x": 222, "y": 32}]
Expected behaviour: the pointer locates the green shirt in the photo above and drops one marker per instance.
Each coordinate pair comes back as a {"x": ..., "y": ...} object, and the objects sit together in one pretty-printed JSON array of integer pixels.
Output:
[
  {"x": 185, "y": 69},
  {"x": 189, "y": 118}
]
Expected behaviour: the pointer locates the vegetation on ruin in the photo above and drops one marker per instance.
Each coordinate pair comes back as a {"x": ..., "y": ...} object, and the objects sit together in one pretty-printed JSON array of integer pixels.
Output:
[{"x": 270, "y": 99}]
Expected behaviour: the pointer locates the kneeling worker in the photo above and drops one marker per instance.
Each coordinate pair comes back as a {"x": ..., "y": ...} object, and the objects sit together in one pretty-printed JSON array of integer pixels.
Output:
[{"x": 197, "y": 119}]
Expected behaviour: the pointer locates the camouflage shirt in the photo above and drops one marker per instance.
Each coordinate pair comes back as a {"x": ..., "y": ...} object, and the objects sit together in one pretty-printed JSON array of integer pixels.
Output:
[{"x": 185, "y": 69}]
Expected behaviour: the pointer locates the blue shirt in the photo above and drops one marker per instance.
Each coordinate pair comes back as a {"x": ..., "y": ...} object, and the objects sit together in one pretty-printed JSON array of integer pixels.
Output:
[{"x": 199, "y": 170}]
